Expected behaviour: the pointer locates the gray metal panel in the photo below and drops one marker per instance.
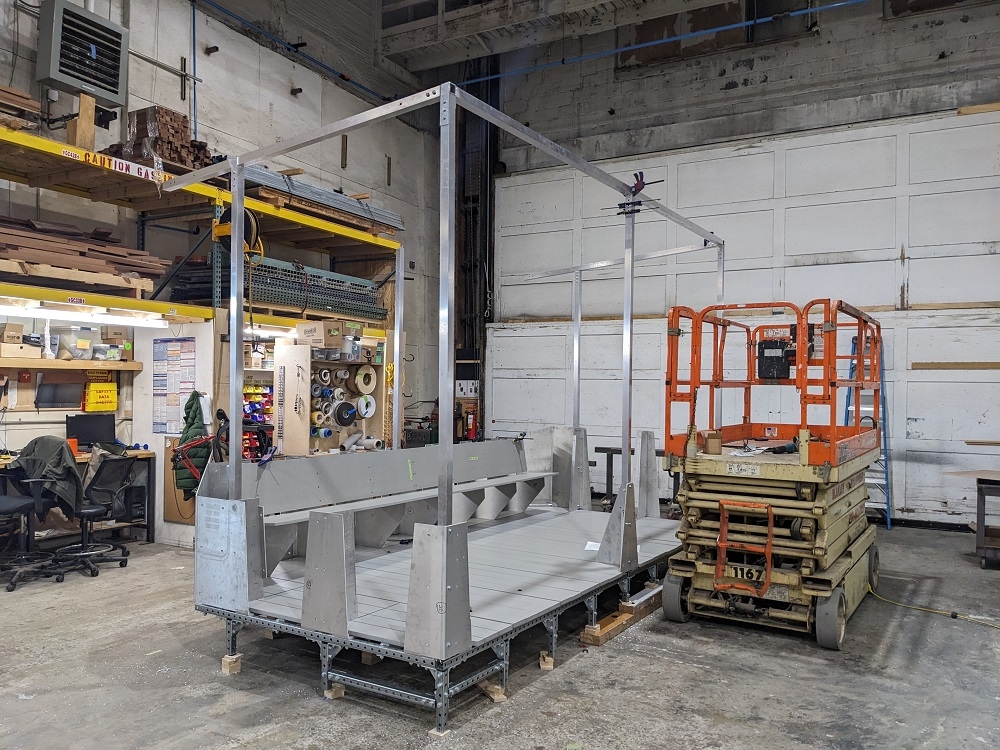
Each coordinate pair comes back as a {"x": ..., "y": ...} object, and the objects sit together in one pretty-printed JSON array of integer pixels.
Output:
[
  {"x": 303, "y": 483},
  {"x": 580, "y": 468},
  {"x": 254, "y": 531},
  {"x": 525, "y": 493},
  {"x": 220, "y": 554},
  {"x": 496, "y": 500},
  {"x": 538, "y": 456},
  {"x": 437, "y": 605},
  {"x": 277, "y": 541},
  {"x": 329, "y": 597},
  {"x": 296, "y": 186},
  {"x": 373, "y": 527},
  {"x": 619, "y": 546},
  {"x": 645, "y": 475},
  {"x": 465, "y": 504}
]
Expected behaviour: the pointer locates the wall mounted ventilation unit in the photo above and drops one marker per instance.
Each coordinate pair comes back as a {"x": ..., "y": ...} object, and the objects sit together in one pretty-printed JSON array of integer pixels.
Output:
[{"x": 80, "y": 52}]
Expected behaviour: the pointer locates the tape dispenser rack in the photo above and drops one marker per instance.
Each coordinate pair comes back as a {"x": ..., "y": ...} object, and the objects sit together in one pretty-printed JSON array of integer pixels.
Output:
[{"x": 342, "y": 398}]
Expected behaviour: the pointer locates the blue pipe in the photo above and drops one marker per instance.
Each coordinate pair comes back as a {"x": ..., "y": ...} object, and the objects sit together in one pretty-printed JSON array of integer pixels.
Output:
[
  {"x": 656, "y": 42},
  {"x": 289, "y": 48}
]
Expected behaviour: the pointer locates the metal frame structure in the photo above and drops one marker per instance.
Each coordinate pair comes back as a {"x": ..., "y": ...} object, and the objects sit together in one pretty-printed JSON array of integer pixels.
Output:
[{"x": 448, "y": 97}]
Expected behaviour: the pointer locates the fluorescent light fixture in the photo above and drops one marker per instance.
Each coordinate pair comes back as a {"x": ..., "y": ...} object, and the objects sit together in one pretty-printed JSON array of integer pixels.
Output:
[{"x": 70, "y": 316}]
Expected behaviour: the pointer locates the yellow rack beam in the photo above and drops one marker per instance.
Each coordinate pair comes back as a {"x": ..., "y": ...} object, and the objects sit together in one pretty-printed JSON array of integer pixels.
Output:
[
  {"x": 45, "y": 294},
  {"x": 77, "y": 156}
]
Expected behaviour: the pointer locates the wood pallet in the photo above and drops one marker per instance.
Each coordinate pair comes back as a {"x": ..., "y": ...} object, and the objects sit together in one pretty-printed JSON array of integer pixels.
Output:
[
  {"x": 41, "y": 274},
  {"x": 282, "y": 199},
  {"x": 628, "y": 614}
]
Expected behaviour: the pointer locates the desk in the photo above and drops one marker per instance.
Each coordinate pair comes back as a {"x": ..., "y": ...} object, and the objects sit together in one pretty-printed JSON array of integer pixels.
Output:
[
  {"x": 987, "y": 537},
  {"x": 146, "y": 459},
  {"x": 609, "y": 468}
]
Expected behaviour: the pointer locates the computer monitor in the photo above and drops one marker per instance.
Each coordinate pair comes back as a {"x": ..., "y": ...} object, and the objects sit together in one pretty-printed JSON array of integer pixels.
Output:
[{"x": 90, "y": 428}]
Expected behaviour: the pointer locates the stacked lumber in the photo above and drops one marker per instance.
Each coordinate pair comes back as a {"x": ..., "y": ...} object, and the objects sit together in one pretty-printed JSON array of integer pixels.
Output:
[
  {"x": 18, "y": 111},
  {"x": 68, "y": 247},
  {"x": 161, "y": 132}
]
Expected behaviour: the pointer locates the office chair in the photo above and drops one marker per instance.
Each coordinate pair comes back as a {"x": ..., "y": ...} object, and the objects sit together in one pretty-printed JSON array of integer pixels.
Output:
[
  {"x": 30, "y": 475},
  {"x": 104, "y": 497}
]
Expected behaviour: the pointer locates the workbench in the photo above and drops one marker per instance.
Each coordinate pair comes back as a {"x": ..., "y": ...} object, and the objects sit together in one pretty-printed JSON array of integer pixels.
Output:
[
  {"x": 987, "y": 537},
  {"x": 609, "y": 468},
  {"x": 145, "y": 477}
]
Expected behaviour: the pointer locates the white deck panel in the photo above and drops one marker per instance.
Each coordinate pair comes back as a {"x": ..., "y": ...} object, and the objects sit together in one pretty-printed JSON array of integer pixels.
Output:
[{"x": 518, "y": 571}]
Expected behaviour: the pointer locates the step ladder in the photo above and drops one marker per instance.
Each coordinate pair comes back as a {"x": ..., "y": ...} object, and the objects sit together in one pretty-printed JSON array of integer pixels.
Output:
[
  {"x": 879, "y": 475},
  {"x": 756, "y": 587}
]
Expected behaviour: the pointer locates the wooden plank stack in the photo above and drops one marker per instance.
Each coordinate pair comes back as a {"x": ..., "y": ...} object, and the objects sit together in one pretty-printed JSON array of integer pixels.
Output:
[
  {"x": 18, "y": 111},
  {"x": 33, "y": 246},
  {"x": 164, "y": 133}
]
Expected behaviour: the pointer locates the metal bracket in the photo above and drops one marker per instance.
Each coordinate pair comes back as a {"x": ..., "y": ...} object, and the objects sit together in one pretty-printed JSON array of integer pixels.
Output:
[
  {"x": 551, "y": 624},
  {"x": 619, "y": 546},
  {"x": 591, "y": 603},
  {"x": 232, "y": 630}
]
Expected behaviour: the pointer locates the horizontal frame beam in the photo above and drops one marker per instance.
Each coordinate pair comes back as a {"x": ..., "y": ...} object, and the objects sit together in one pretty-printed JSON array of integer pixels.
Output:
[{"x": 601, "y": 264}]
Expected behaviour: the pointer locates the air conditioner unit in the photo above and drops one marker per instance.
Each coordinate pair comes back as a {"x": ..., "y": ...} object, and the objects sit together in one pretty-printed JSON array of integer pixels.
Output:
[{"x": 80, "y": 52}]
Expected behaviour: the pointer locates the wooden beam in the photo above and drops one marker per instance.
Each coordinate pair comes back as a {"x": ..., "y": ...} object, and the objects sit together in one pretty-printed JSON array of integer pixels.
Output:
[
  {"x": 57, "y": 176},
  {"x": 978, "y": 109},
  {"x": 80, "y": 131},
  {"x": 955, "y": 366}
]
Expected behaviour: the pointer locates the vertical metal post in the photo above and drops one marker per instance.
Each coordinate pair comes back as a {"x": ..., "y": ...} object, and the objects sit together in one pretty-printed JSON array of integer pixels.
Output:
[
  {"x": 577, "y": 313},
  {"x": 446, "y": 306},
  {"x": 236, "y": 335},
  {"x": 627, "y": 342},
  {"x": 397, "y": 353},
  {"x": 720, "y": 267}
]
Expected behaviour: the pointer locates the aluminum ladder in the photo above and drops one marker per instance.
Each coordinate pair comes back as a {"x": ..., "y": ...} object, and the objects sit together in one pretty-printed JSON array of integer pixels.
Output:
[{"x": 879, "y": 474}]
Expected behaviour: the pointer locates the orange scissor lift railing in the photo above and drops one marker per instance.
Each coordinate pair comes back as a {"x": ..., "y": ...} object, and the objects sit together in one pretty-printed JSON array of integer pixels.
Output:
[{"x": 816, "y": 377}]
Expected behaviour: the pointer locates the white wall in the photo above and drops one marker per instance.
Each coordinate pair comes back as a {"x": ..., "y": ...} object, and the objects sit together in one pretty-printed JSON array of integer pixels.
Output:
[
  {"x": 902, "y": 214},
  {"x": 142, "y": 422}
]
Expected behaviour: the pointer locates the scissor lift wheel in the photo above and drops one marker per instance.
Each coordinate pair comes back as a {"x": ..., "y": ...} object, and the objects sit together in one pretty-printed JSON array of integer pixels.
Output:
[
  {"x": 873, "y": 568},
  {"x": 674, "y": 598},
  {"x": 831, "y": 619}
]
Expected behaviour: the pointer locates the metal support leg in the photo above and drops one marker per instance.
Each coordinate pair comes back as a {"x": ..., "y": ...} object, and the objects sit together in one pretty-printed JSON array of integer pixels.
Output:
[
  {"x": 651, "y": 571},
  {"x": 327, "y": 653},
  {"x": 232, "y": 630},
  {"x": 442, "y": 680},
  {"x": 502, "y": 650},
  {"x": 625, "y": 588},
  {"x": 552, "y": 627},
  {"x": 591, "y": 602}
]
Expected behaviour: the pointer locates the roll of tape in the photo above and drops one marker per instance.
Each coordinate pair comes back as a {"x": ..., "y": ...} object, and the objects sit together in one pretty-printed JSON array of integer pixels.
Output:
[
  {"x": 328, "y": 419},
  {"x": 326, "y": 432},
  {"x": 317, "y": 417},
  {"x": 342, "y": 375},
  {"x": 316, "y": 390},
  {"x": 366, "y": 407},
  {"x": 339, "y": 394},
  {"x": 327, "y": 393},
  {"x": 317, "y": 403},
  {"x": 327, "y": 408},
  {"x": 344, "y": 413},
  {"x": 314, "y": 431},
  {"x": 365, "y": 379},
  {"x": 325, "y": 376}
]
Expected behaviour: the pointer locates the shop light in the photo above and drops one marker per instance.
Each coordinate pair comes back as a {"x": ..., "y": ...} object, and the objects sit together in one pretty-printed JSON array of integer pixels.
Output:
[{"x": 95, "y": 316}]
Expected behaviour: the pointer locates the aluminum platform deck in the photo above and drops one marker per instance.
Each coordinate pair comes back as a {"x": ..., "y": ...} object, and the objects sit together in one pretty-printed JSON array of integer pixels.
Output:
[{"x": 518, "y": 571}]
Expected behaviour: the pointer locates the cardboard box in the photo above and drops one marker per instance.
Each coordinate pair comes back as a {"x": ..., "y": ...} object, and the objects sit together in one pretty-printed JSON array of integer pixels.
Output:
[
  {"x": 713, "y": 443},
  {"x": 10, "y": 333},
  {"x": 320, "y": 334},
  {"x": 22, "y": 351},
  {"x": 114, "y": 332}
]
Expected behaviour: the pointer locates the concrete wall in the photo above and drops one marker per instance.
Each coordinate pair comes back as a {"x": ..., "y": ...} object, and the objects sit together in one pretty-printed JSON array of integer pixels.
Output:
[
  {"x": 858, "y": 67},
  {"x": 899, "y": 217}
]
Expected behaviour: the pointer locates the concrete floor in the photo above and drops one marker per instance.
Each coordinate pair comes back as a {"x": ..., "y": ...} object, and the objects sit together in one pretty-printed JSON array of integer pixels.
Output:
[{"x": 124, "y": 661}]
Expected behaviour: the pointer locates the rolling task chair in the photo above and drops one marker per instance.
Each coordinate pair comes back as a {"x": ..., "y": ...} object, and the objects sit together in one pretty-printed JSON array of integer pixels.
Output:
[
  {"x": 46, "y": 475},
  {"x": 104, "y": 498}
]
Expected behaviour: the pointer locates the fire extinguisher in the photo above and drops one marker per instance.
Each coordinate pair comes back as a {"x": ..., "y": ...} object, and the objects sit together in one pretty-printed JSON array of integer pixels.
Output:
[{"x": 470, "y": 425}]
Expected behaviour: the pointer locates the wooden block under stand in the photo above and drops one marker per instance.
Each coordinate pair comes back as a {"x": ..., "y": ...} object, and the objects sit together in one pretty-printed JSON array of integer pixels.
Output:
[
  {"x": 628, "y": 614},
  {"x": 334, "y": 692},
  {"x": 232, "y": 664},
  {"x": 546, "y": 663},
  {"x": 493, "y": 691}
]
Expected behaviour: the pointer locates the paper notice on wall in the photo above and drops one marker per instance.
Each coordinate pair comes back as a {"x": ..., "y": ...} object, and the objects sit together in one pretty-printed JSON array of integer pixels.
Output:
[{"x": 173, "y": 381}]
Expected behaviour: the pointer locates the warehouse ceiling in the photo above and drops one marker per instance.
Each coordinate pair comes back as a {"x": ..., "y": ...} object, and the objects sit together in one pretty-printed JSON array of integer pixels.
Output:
[{"x": 425, "y": 34}]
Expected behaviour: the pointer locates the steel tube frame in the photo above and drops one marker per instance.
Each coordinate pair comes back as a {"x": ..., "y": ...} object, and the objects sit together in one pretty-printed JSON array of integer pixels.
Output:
[
  {"x": 449, "y": 98},
  {"x": 577, "y": 320},
  {"x": 446, "y": 304},
  {"x": 629, "y": 210},
  {"x": 397, "y": 351},
  {"x": 236, "y": 334}
]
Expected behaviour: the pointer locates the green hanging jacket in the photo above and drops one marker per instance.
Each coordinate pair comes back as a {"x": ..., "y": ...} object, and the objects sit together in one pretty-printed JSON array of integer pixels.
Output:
[{"x": 194, "y": 427}]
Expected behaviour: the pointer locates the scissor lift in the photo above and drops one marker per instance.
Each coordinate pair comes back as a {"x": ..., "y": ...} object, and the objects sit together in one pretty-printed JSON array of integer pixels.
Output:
[{"x": 780, "y": 537}]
